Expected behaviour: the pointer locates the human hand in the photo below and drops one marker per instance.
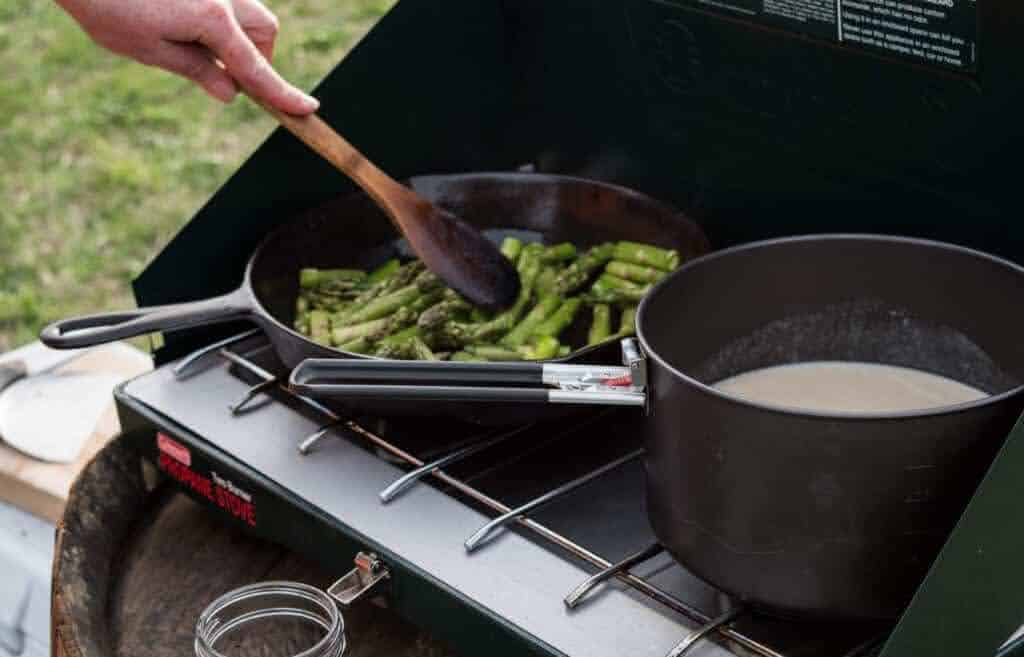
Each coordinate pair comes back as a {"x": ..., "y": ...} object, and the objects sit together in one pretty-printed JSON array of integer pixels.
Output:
[{"x": 221, "y": 45}]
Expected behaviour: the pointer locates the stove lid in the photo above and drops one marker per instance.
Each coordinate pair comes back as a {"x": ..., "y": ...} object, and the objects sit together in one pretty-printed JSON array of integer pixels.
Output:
[{"x": 757, "y": 121}]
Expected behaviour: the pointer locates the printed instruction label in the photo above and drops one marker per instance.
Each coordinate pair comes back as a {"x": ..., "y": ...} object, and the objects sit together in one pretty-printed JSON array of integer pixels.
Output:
[{"x": 938, "y": 32}]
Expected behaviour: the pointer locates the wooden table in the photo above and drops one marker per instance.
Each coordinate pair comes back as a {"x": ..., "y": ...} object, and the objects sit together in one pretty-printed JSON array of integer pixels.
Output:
[{"x": 42, "y": 488}]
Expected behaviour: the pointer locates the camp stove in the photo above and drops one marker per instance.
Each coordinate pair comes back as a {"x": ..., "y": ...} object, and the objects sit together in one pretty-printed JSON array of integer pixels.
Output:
[
  {"x": 758, "y": 118},
  {"x": 529, "y": 539}
]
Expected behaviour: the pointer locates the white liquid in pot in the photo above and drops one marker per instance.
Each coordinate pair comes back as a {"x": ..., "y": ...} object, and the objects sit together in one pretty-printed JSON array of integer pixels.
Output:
[{"x": 835, "y": 386}]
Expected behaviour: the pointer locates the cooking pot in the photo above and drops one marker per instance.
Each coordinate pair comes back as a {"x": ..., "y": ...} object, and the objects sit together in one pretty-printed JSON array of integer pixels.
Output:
[{"x": 797, "y": 512}]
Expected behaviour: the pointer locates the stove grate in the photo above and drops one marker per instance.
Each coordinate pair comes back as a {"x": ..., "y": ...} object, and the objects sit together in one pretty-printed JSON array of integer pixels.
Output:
[{"x": 237, "y": 351}]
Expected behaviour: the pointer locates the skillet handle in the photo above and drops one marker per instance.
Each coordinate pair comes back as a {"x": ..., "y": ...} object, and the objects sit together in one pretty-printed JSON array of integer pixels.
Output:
[
  {"x": 90, "y": 330},
  {"x": 452, "y": 381}
]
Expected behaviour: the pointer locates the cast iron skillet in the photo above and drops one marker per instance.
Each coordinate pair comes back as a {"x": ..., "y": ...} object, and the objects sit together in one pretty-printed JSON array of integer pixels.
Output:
[
  {"x": 353, "y": 232},
  {"x": 796, "y": 512}
]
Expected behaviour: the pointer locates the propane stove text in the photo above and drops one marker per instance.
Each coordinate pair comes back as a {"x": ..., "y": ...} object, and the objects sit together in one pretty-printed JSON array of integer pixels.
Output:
[{"x": 211, "y": 489}]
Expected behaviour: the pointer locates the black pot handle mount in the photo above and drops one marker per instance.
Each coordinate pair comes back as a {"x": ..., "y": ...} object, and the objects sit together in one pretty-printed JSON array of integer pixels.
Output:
[{"x": 91, "y": 330}]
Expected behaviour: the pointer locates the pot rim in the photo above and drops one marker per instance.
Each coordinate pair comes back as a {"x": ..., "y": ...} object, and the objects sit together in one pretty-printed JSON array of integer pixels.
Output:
[{"x": 845, "y": 416}]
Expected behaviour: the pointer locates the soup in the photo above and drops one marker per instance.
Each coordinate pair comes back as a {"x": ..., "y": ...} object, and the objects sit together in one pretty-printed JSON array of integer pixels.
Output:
[{"x": 849, "y": 387}]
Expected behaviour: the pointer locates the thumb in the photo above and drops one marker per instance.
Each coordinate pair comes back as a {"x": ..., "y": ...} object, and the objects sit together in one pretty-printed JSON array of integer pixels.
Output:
[{"x": 197, "y": 64}]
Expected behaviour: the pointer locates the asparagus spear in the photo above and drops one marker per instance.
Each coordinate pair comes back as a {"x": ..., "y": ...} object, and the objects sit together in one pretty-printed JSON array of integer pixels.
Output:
[
  {"x": 494, "y": 352},
  {"x": 545, "y": 282},
  {"x": 522, "y": 331},
  {"x": 388, "y": 303},
  {"x": 310, "y": 278},
  {"x": 403, "y": 276},
  {"x": 559, "y": 253},
  {"x": 357, "y": 346},
  {"x": 564, "y": 351},
  {"x": 579, "y": 272},
  {"x": 511, "y": 248},
  {"x": 301, "y": 305},
  {"x": 634, "y": 273},
  {"x": 614, "y": 290},
  {"x": 374, "y": 329},
  {"x": 319, "y": 327},
  {"x": 360, "y": 302},
  {"x": 437, "y": 315},
  {"x": 425, "y": 301},
  {"x": 344, "y": 334},
  {"x": 529, "y": 268},
  {"x": 560, "y": 319},
  {"x": 543, "y": 348},
  {"x": 384, "y": 272},
  {"x": 464, "y": 356},
  {"x": 627, "y": 323},
  {"x": 401, "y": 336},
  {"x": 601, "y": 326},
  {"x": 395, "y": 351},
  {"x": 645, "y": 254},
  {"x": 420, "y": 350}
]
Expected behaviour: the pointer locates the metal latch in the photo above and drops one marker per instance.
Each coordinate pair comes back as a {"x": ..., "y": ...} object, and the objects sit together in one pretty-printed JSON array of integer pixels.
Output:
[
  {"x": 360, "y": 581},
  {"x": 634, "y": 360}
]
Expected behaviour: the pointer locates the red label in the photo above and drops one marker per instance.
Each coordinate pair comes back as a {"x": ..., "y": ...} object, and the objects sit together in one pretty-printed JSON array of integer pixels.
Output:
[
  {"x": 227, "y": 500},
  {"x": 626, "y": 380},
  {"x": 174, "y": 449}
]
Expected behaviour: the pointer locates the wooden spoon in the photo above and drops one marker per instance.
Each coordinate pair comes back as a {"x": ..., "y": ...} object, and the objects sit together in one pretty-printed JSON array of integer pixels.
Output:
[{"x": 462, "y": 257}]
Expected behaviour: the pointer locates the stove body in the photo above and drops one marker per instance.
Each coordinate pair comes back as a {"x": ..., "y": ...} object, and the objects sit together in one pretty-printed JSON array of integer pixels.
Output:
[{"x": 760, "y": 118}]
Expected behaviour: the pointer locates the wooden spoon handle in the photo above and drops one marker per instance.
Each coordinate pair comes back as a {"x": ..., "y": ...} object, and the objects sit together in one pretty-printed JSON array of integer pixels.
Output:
[{"x": 322, "y": 138}]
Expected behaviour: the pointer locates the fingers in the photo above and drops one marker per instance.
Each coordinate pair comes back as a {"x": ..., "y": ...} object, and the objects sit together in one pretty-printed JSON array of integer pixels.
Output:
[
  {"x": 259, "y": 23},
  {"x": 222, "y": 33},
  {"x": 196, "y": 64}
]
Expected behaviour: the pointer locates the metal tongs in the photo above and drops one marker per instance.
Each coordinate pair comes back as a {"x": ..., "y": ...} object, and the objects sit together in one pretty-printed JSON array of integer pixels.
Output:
[{"x": 468, "y": 381}]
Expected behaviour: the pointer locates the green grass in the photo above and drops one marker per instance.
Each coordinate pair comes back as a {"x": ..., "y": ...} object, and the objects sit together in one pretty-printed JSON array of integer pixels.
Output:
[{"x": 104, "y": 159}]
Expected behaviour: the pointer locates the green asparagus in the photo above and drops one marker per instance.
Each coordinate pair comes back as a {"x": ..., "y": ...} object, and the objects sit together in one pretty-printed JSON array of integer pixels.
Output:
[
  {"x": 576, "y": 275},
  {"x": 357, "y": 346},
  {"x": 543, "y": 348},
  {"x": 559, "y": 253},
  {"x": 645, "y": 254},
  {"x": 559, "y": 320},
  {"x": 634, "y": 273},
  {"x": 403, "y": 276},
  {"x": 385, "y": 305},
  {"x": 320, "y": 327},
  {"x": 627, "y": 322},
  {"x": 310, "y": 278},
  {"x": 524, "y": 330},
  {"x": 420, "y": 350},
  {"x": 601, "y": 326},
  {"x": 529, "y": 267},
  {"x": 385, "y": 271},
  {"x": 401, "y": 336},
  {"x": 494, "y": 352},
  {"x": 511, "y": 248},
  {"x": 395, "y": 350},
  {"x": 545, "y": 283},
  {"x": 614, "y": 290},
  {"x": 404, "y": 311}
]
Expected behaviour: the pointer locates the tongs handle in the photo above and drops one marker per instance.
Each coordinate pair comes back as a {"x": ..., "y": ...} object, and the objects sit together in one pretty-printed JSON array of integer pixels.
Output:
[
  {"x": 449, "y": 381},
  {"x": 332, "y": 370}
]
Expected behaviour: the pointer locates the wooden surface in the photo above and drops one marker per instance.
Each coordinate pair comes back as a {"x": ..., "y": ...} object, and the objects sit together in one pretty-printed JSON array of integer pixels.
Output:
[
  {"x": 42, "y": 488},
  {"x": 136, "y": 562}
]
